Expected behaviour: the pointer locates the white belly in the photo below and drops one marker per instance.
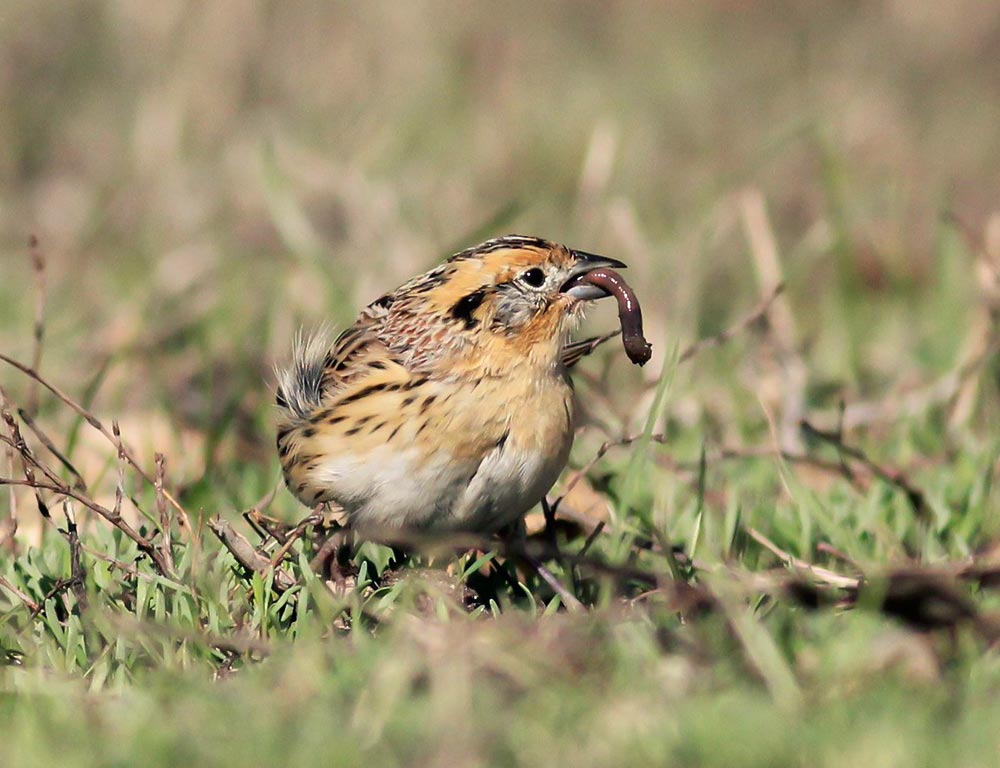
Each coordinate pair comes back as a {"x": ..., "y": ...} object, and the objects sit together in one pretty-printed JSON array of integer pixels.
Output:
[
  {"x": 510, "y": 481},
  {"x": 389, "y": 489}
]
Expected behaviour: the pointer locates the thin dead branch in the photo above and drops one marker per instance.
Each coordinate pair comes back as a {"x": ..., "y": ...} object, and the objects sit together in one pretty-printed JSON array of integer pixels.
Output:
[
  {"x": 767, "y": 263},
  {"x": 248, "y": 557},
  {"x": 723, "y": 454},
  {"x": 120, "y": 455},
  {"x": 8, "y": 528},
  {"x": 60, "y": 488},
  {"x": 753, "y": 317},
  {"x": 895, "y": 477},
  {"x": 96, "y": 423},
  {"x": 823, "y": 575},
  {"x": 163, "y": 512},
  {"x": 38, "y": 267},
  {"x": 77, "y": 575},
  {"x": 31, "y": 604},
  {"x": 264, "y": 526},
  {"x": 294, "y": 535},
  {"x": 568, "y": 598},
  {"x": 78, "y": 482},
  {"x": 28, "y": 462}
]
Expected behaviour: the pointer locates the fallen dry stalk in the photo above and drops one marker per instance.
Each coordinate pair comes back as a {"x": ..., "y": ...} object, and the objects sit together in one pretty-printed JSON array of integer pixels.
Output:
[
  {"x": 78, "y": 482},
  {"x": 823, "y": 575},
  {"x": 767, "y": 264},
  {"x": 38, "y": 268},
  {"x": 166, "y": 524},
  {"x": 99, "y": 426},
  {"x": 895, "y": 477},
  {"x": 248, "y": 557},
  {"x": 55, "y": 484}
]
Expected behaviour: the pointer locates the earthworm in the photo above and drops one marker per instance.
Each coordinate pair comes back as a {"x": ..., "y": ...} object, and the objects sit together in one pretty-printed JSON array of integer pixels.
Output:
[{"x": 629, "y": 312}]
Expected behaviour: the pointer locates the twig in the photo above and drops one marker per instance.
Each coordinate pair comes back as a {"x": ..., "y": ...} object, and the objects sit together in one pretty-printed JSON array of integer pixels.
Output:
[
  {"x": 896, "y": 477},
  {"x": 166, "y": 546},
  {"x": 99, "y": 426},
  {"x": 245, "y": 554},
  {"x": 821, "y": 574},
  {"x": 60, "y": 488},
  {"x": 134, "y": 571},
  {"x": 32, "y": 605},
  {"x": 828, "y": 548},
  {"x": 568, "y": 599},
  {"x": 767, "y": 263},
  {"x": 724, "y": 454},
  {"x": 28, "y": 462},
  {"x": 10, "y": 526},
  {"x": 38, "y": 266},
  {"x": 750, "y": 319},
  {"x": 592, "y": 537},
  {"x": 262, "y": 525},
  {"x": 294, "y": 535},
  {"x": 78, "y": 482},
  {"x": 77, "y": 580},
  {"x": 606, "y": 446},
  {"x": 120, "y": 455},
  {"x": 576, "y": 351}
]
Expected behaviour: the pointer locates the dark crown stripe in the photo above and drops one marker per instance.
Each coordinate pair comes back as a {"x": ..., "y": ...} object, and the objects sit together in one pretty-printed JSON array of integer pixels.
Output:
[{"x": 500, "y": 243}]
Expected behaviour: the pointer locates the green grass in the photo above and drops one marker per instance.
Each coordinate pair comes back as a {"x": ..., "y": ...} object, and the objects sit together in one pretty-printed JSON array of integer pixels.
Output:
[{"x": 205, "y": 182}]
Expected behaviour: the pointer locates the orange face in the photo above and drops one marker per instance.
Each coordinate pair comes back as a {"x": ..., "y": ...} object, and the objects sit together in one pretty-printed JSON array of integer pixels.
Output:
[{"x": 514, "y": 293}]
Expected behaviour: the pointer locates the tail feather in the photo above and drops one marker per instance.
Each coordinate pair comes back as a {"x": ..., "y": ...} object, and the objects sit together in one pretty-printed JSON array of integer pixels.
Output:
[{"x": 300, "y": 385}]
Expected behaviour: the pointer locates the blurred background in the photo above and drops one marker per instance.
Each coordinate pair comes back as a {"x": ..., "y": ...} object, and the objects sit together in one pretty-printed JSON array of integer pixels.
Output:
[{"x": 205, "y": 178}]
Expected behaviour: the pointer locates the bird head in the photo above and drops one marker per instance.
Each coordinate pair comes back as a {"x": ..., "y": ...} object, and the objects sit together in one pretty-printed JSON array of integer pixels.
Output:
[{"x": 510, "y": 296}]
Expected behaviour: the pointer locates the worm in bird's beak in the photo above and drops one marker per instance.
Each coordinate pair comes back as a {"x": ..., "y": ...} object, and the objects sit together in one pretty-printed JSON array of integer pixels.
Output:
[{"x": 594, "y": 277}]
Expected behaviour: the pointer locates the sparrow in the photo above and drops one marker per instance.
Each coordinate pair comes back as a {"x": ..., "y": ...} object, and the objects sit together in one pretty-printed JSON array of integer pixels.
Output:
[{"x": 448, "y": 404}]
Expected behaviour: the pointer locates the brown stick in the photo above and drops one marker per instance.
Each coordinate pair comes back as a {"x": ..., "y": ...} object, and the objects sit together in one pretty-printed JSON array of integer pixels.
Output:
[
  {"x": 38, "y": 266},
  {"x": 61, "y": 489},
  {"x": 78, "y": 482},
  {"x": 725, "y": 454},
  {"x": 77, "y": 575},
  {"x": 895, "y": 477},
  {"x": 96, "y": 424},
  {"x": 9, "y": 529},
  {"x": 32, "y": 605},
  {"x": 568, "y": 598},
  {"x": 751, "y": 318},
  {"x": 245, "y": 554},
  {"x": 120, "y": 452},
  {"x": 166, "y": 545},
  {"x": 28, "y": 461},
  {"x": 294, "y": 535},
  {"x": 822, "y": 574}
]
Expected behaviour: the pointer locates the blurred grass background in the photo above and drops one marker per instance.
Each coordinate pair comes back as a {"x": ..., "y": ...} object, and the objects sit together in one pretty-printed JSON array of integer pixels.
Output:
[{"x": 204, "y": 179}]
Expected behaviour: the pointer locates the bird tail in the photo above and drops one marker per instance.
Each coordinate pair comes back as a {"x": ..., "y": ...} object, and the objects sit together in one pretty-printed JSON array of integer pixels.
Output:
[{"x": 300, "y": 384}]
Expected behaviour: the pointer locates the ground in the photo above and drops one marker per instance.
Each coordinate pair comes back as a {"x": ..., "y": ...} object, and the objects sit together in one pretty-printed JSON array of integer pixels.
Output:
[{"x": 777, "y": 542}]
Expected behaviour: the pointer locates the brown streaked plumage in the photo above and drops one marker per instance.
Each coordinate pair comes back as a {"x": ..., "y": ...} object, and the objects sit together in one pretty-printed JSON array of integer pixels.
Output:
[{"x": 448, "y": 404}]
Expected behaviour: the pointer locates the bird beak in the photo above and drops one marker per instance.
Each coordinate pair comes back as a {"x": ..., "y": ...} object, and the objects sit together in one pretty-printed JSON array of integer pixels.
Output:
[{"x": 584, "y": 263}]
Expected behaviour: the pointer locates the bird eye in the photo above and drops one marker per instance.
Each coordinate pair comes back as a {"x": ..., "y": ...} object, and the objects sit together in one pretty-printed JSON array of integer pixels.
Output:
[{"x": 534, "y": 277}]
